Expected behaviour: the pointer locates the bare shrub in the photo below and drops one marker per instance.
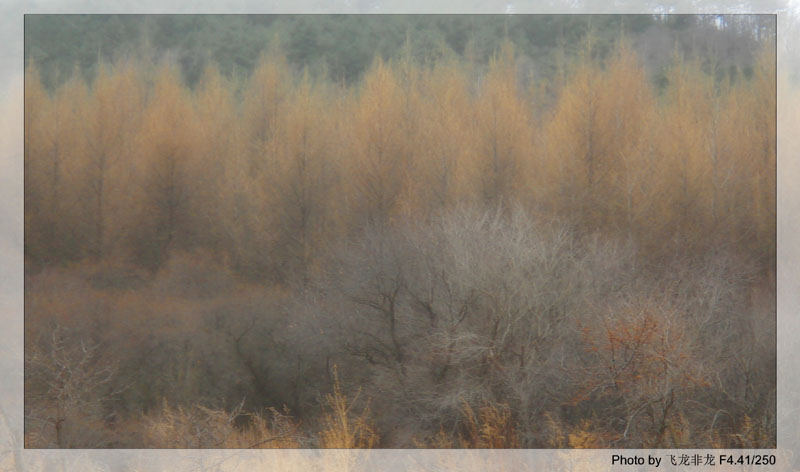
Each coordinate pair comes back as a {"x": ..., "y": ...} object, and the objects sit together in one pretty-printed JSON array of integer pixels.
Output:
[
  {"x": 646, "y": 358},
  {"x": 68, "y": 387},
  {"x": 472, "y": 306},
  {"x": 492, "y": 306}
]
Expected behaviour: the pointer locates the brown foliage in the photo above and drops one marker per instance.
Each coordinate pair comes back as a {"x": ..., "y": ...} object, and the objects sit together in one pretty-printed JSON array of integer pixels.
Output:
[{"x": 647, "y": 358}]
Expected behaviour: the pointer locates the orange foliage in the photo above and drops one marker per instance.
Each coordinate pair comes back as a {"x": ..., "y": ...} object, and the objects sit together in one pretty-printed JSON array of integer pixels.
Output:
[{"x": 273, "y": 176}]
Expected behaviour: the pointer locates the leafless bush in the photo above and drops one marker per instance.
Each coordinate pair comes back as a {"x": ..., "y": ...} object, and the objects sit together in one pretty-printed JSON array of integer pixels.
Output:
[
  {"x": 476, "y": 305},
  {"x": 491, "y": 305},
  {"x": 68, "y": 387}
]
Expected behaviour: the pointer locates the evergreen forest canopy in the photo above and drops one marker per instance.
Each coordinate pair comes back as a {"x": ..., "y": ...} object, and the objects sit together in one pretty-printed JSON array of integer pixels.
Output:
[
  {"x": 344, "y": 45},
  {"x": 565, "y": 242}
]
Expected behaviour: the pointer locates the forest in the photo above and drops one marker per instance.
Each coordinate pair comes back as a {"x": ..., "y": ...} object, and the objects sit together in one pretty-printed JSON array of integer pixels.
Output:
[{"x": 557, "y": 238}]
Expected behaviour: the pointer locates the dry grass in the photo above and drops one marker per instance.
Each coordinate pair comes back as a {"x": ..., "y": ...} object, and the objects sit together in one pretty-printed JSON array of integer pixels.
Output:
[
  {"x": 342, "y": 428},
  {"x": 201, "y": 427},
  {"x": 490, "y": 427}
]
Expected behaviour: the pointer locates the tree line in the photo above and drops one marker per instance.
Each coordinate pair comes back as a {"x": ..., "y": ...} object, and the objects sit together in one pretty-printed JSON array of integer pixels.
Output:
[
  {"x": 270, "y": 170},
  {"x": 345, "y": 45}
]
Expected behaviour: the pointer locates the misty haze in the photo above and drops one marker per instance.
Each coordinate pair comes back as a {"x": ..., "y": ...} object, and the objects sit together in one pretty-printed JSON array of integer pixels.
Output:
[{"x": 332, "y": 231}]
